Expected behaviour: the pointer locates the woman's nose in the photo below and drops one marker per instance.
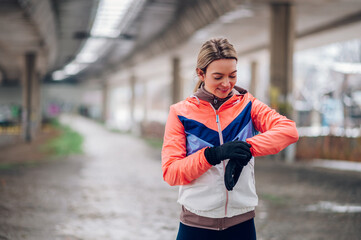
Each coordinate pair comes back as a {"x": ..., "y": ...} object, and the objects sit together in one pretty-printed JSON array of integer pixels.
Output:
[{"x": 225, "y": 81}]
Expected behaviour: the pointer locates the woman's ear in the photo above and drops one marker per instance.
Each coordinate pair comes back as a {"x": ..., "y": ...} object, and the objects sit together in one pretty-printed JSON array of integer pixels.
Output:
[{"x": 200, "y": 74}]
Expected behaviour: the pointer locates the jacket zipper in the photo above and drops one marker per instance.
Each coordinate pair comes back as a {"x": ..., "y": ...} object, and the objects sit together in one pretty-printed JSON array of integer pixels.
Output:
[{"x": 221, "y": 142}]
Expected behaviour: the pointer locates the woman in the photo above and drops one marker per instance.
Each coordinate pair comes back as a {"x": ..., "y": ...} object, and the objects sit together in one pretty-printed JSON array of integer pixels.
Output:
[{"x": 210, "y": 142}]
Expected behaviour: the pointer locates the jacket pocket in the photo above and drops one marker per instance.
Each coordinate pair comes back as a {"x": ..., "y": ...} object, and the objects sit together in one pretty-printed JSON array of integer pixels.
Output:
[
  {"x": 200, "y": 197},
  {"x": 244, "y": 193},
  {"x": 205, "y": 193}
]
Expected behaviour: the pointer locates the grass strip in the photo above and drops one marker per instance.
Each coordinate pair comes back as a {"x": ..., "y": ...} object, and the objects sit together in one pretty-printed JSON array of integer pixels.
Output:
[{"x": 67, "y": 143}]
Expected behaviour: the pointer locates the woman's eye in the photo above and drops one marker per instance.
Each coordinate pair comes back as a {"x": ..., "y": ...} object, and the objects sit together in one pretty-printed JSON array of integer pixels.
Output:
[
  {"x": 232, "y": 76},
  {"x": 218, "y": 78}
]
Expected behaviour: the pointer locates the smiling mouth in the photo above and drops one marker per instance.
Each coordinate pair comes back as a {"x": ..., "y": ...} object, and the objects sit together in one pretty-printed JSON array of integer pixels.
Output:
[{"x": 223, "y": 90}]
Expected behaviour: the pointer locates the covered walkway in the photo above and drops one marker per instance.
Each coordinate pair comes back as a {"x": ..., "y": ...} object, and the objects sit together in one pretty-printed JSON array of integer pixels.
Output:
[
  {"x": 123, "y": 63},
  {"x": 115, "y": 191}
]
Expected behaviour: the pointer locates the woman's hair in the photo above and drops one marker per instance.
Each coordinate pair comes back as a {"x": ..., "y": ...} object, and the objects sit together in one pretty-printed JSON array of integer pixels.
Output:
[{"x": 214, "y": 49}]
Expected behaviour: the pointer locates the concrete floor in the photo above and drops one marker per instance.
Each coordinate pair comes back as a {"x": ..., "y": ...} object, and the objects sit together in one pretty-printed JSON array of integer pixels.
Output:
[{"x": 116, "y": 191}]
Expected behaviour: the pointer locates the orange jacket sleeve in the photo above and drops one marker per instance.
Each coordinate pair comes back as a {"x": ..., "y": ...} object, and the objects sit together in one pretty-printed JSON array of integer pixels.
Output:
[
  {"x": 179, "y": 169},
  {"x": 277, "y": 131}
]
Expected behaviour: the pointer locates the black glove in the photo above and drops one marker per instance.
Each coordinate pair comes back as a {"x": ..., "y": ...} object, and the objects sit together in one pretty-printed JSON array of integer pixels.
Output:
[
  {"x": 232, "y": 173},
  {"x": 234, "y": 169},
  {"x": 231, "y": 150}
]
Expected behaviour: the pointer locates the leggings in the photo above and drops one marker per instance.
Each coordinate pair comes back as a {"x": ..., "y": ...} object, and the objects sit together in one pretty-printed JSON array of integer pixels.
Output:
[{"x": 243, "y": 231}]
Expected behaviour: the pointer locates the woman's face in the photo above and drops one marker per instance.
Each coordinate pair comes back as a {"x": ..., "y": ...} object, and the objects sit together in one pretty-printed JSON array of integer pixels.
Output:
[{"x": 220, "y": 77}]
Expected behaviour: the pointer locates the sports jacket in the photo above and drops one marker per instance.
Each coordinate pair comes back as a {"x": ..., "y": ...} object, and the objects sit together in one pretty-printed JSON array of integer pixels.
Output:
[{"x": 193, "y": 125}]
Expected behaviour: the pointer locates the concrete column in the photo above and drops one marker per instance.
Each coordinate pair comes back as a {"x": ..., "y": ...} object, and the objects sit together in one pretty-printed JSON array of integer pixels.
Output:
[
  {"x": 36, "y": 114},
  {"x": 281, "y": 54},
  {"x": 254, "y": 78},
  {"x": 145, "y": 102},
  {"x": 315, "y": 118},
  {"x": 281, "y": 64},
  {"x": 1, "y": 77},
  {"x": 132, "y": 82},
  {"x": 28, "y": 99},
  {"x": 346, "y": 119},
  {"x": 177, "y": 85},
  {"x": 105, "y": 92}
]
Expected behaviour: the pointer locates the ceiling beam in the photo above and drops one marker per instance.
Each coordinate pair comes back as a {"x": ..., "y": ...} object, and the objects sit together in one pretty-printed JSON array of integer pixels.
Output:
[
  {"x": 42, "y": 16},
  {"x": 338, "y": 23},
  {"x": 195, "y": 15}
]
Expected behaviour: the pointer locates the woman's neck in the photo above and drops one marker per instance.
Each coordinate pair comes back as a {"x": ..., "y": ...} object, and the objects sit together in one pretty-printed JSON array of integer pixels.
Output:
[{"x": 216, "y": 102}]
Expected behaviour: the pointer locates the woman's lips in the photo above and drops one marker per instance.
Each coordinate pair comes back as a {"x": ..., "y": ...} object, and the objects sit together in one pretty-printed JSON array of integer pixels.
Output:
[{"x": 223, "y": 90}]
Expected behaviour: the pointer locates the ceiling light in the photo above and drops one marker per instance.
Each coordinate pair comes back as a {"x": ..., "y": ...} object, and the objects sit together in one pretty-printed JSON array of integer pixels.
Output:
[
  {"x": 109, "y": 15},
  {"x": 106, "y": 25},
  {"x": 58, "y": 75},
  {"x": 73, "y": 68}
]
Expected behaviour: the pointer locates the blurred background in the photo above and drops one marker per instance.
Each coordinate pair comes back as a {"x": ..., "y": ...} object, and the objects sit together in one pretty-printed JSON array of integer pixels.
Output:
[{"x": 119, "y": 64}]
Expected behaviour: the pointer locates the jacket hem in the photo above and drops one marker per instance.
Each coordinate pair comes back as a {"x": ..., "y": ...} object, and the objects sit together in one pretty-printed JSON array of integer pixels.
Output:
[
  {"x": 193, "y": 220},
  {"x": 219, "y": 212}
]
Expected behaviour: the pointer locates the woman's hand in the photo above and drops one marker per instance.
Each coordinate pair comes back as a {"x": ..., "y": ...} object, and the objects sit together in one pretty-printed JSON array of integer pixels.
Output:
[
  {"x": 234, "y": 169},
  {"x": 238, "y": 150}
]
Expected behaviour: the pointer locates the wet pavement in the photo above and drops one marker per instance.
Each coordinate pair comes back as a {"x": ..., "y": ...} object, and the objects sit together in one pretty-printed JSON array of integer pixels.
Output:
[
  {"x": 115, "y": 191},
  {"x": 301, "y": 201}
]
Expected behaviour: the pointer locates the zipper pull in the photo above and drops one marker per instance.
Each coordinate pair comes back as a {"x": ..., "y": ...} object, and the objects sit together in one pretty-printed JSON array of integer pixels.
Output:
[{"x": 217, "y": 118}]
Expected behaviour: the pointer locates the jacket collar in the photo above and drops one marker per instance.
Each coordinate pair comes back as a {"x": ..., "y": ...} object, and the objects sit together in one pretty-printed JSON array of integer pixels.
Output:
[
  {"x": 203, "y": 94},
  {"x": 236, "y": 93}
]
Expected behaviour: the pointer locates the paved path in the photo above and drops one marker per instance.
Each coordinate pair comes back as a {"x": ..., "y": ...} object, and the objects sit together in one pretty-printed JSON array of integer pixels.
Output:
[
  {"x": 300, "y": 202},
  {"x": 115, "y": 191}
]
